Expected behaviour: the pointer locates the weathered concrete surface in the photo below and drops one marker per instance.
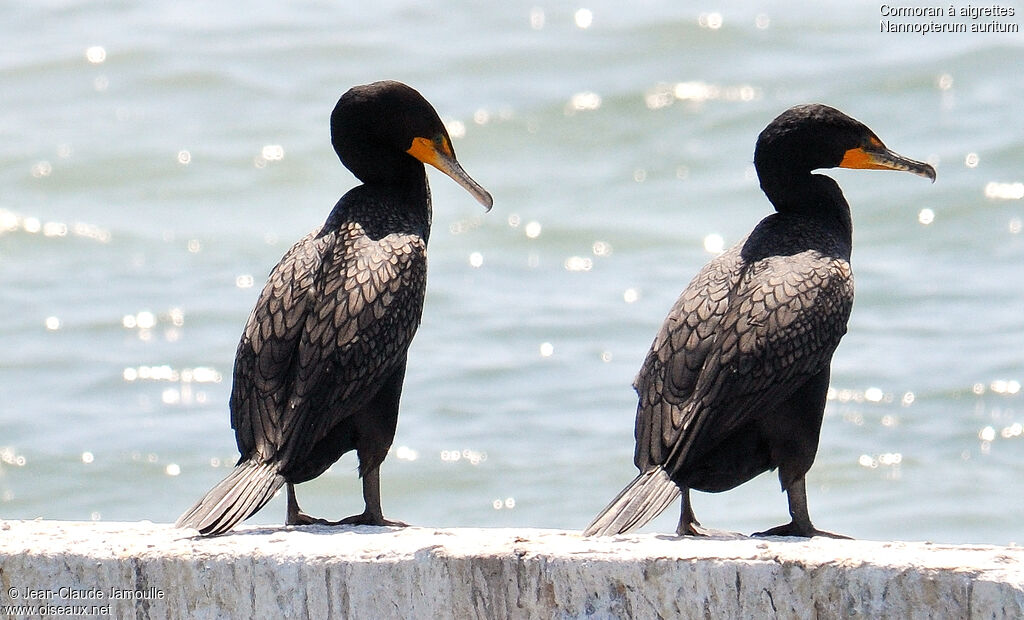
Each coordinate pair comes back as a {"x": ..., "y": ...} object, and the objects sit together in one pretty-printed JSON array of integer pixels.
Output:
[{"x": 365, "y": 572}]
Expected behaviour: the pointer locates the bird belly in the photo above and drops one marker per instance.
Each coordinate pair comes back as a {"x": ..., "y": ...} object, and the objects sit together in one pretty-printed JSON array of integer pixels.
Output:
[
  {"x": 737, "y": 458},
  {"x": 324, "y": 453}
]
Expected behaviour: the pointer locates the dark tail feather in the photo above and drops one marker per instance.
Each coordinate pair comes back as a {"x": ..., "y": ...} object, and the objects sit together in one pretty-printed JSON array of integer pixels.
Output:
[
  {"x": 248, "y": 487},
  {"x": 646, "y": 497}
]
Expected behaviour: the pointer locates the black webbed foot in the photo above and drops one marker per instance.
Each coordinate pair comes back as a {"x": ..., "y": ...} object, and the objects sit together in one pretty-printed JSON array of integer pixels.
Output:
[
  {"x": 792, "y": 529},
  {"x": 368, "y": 518},
  {"x": 301, "y": 518}
]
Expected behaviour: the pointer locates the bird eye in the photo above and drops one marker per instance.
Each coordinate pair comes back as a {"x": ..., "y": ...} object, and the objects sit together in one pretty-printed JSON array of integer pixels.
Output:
[{"x": 442, "y": 145}]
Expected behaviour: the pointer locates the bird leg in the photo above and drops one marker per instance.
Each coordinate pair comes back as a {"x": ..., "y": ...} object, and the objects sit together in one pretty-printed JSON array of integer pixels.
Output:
[
  {"x": 801, "y": 524},
  {"x": 688, "y": 523},
  {"x": 372, "y": 515},
  {"x": 295, "y": 514}
]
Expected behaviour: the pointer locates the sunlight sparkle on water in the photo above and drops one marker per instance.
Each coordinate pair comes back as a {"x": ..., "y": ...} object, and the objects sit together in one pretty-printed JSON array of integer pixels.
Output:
[
  {"x": 711, "y": 21},
  {"x": 533, "y": 229},
  {"x": 96, "y": 54},
  {"x": 630, "y": 295},
  {"x": 142, "y": 320},
  {"x": 887, "y": 459},
  {"x": 873, "y": 395},
  {"x": 145, "y": 320},
  {"x": 665, "y": 94},
  {"x": 536, "y": 18},
  {"x": 583, "y": 18},
  {"x": 52, "y": 323},
  {"x": 547, "y": 349},
  {"x": 199, "y": 374},
  {"x": 456, "y": 129},
  {"x": 272, "y": 152},
  {"x": 473, "y": 457},
  {"x": 9, "y": 457},
  {"x": 695, "y": 91},
  {"x": 714, "y": 243},
  {"x": 507, "y": 504},
  {"x": 55, "y": 229},
  {"x": 1004, "y": 191},
  {"x": 582, "y": 102},
  {"x": 926, "y": 217},
  {"x": 1013, "y": 430},
  {"x": 405, "y": 453},
  {"x": 466, "y": 224},
  {"x": 9, "y": 222},
  {"x": 269, "y": 153},
  {"x": 12, "y": 222},
  {"x": 476, "y": 259},
  {"x": 578, "y": 263},
  {"x": 42, "y": 169},
  {"x": 1001, "y": 386}
]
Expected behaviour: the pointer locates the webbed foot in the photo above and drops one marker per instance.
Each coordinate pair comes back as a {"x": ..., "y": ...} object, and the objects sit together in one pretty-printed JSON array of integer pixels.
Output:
[{"x": 792, "y": 529}]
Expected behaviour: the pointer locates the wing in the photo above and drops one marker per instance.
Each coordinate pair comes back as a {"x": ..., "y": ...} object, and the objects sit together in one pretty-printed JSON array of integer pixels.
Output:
[
  {"x": 320, "y": 358},
  {"x": 265, "y": 358},
  {"x": 778, "y": 325},
  {"x": 669, "y": 373}
]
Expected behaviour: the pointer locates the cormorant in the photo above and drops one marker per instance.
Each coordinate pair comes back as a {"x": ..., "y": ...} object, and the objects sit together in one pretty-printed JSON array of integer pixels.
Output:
[
  {"x": 735, "y": 382},
  {"x": 320, "y": 366}
]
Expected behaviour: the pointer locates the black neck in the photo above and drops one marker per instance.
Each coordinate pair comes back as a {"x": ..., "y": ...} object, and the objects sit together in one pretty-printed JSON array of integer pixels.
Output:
[{"x": 813, "y": 196}]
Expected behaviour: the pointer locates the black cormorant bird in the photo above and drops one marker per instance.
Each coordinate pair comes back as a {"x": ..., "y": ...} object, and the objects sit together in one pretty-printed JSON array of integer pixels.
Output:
[
  {"x": 735, "y": 382},
  {"x": 320, "y": 366}
]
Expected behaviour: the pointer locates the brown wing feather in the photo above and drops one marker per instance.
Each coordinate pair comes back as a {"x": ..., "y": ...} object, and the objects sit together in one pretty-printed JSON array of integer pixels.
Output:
[
  {"x": 669, "y": 374},
  {"x": 335, "y": 318},
  {"x": 743, "y": 336},
  {"x": 265, "y": 359}
]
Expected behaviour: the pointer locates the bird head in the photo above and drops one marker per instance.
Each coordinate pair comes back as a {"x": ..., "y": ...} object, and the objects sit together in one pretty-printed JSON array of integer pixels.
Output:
[
  {"x": 810, "y": 137},
  {"x": 378, "y": 130}
]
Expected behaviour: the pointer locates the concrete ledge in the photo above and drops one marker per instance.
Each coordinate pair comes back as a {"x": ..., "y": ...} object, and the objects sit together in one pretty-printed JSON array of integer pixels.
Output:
[{"x": 154, "y": 571}]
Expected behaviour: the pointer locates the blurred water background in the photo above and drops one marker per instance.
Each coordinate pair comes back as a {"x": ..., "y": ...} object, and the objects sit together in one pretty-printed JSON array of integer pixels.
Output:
[{"x": 157, "y": 159}]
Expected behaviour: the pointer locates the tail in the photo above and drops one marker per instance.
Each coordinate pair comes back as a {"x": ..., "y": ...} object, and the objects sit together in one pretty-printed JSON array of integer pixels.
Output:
[
  {"x": 248, "y": 487},
  {"x": 646, "y": 497}
]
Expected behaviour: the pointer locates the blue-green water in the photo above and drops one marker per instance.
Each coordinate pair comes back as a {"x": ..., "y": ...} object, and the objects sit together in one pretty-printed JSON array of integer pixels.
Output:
[{"x": 156, "y": 159}]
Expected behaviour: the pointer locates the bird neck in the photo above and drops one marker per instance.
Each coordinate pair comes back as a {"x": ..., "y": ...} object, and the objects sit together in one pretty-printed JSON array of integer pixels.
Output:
[
  {"x": 382, "y": 209},
  {"x": 374, "y": 162},
  {"x": 814, "y": 196}
]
